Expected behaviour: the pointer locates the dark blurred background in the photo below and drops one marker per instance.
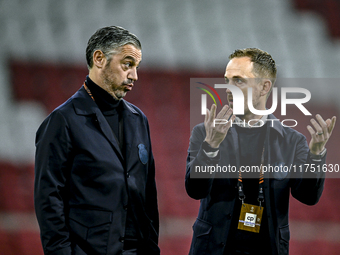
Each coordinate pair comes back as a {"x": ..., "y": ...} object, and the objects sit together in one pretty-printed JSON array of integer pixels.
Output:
[{"x": 42, "y": 63}]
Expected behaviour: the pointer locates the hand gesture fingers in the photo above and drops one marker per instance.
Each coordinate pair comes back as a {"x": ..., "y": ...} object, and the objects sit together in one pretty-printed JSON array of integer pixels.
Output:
[
  {"x": 217, "y": 128},
  {"x": 320, "y": 133},
  {"x": 210, "y": 116},
  {"x": 331, "y": 124}
]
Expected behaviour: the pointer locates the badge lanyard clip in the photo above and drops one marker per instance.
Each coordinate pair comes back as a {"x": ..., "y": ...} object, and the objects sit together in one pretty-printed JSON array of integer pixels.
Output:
[
  {"x": 261, "y": 196},
  {"x": 241, "y": 195}
]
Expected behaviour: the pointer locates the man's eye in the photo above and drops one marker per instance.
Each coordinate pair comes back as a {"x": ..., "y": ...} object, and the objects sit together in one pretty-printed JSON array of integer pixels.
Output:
[
  {"x": 128, "y": 64},
  {"x": 238, "y": 81}
]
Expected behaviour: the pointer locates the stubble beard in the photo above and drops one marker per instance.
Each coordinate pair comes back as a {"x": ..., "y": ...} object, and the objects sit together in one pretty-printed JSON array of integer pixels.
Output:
[{"x": 111, "y": 88}]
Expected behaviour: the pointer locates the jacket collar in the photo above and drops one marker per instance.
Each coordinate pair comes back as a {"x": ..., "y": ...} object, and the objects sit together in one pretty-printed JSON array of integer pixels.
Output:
[{"x": 84, "y": 104}]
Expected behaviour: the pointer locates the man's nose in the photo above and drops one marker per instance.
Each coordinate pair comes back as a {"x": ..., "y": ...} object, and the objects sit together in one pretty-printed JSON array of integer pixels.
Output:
[{"x": 133, "y": 74}]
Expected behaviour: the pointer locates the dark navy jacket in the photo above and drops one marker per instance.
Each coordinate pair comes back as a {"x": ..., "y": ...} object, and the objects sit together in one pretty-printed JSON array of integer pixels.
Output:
[
  {"x": 83, "y": 183},
  {"x": 284, "y": 146}
]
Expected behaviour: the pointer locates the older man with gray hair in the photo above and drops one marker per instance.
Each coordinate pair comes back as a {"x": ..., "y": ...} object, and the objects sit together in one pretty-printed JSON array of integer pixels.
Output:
[{"x": 95, "y": 190}]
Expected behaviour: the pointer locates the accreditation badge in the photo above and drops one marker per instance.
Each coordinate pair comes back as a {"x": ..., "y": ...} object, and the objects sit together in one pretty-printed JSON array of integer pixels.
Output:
[{"x": 250, "y": 218}]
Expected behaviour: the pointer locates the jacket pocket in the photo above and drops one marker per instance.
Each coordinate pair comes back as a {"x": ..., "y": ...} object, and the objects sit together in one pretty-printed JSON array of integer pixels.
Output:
[
  {"x": 284, "y": 240},
  {"x": 91, "y": 229},
  {"x": 202, "y": 230}
]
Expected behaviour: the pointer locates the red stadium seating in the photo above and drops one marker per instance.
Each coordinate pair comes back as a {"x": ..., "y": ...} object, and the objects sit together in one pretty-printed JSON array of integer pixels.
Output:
[
  {"x": 328, "y": 9},
  {"x": 16, "y": 187}
]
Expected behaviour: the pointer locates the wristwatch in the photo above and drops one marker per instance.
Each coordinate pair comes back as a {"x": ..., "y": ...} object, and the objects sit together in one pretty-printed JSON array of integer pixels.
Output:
[
  {"x": 319, "y": 156},
  {"x": 209, "y": 151}
]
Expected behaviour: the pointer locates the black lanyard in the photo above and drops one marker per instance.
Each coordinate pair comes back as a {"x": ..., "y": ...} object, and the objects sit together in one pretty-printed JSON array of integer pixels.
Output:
[{"x": 241, "y": 194}]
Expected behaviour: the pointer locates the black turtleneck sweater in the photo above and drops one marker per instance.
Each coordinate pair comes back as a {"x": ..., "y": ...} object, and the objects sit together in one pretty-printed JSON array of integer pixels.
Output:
[
  {"x": 108, "y": 105},
  {"x": 112, "y": 111},
  {"x": 251, "y": 141}
]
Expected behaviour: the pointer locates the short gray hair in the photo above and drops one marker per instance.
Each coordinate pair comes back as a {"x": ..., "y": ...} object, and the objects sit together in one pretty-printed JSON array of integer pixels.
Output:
[{"x": 109, "y": 40}]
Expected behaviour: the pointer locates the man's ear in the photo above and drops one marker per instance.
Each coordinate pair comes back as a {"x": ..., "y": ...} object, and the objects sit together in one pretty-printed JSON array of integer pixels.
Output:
[
  {"x": 99, "y": 59},
  {"x": 267, "y": 84}
]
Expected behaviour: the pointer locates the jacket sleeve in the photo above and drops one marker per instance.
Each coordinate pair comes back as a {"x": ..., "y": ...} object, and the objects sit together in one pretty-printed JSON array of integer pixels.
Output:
[
  {"x": 198, "y": 188},
  {"x": 308, "y": 178},
  {"x": 152, "y": 205},
  {"x": 52, "y": 164}
]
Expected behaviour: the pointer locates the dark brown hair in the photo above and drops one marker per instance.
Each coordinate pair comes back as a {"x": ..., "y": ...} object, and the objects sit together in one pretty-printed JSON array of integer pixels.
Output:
[{"x": 264, "y": 64}]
